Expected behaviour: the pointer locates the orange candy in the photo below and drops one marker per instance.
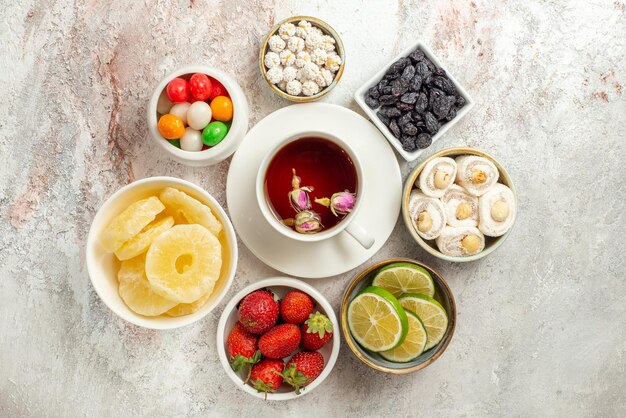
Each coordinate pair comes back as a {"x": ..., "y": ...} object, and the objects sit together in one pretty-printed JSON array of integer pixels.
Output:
[
  {"x": 222, "y": 108},
  {"x": 171, "y": 126}
]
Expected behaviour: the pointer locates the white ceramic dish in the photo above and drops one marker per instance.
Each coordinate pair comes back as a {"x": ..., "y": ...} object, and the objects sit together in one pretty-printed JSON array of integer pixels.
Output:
[
  {"x": 359, "y": 97},
  {"x": 103, "y": 265},
  {"x": 228, "y": 145},
  {"x": 280, "y": 286},
  {"x": 357, "y": 231},
  {"x": 381, "y": 197}
]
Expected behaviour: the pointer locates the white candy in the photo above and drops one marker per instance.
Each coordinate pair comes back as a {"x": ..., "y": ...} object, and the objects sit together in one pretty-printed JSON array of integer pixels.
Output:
[
  {"x": 275, "y": 75},
  {"x": 328, "y": 77},
  {"x": 163, "y": 105},
  {"x": 318, "y": 56},
  {"x": 287, "y": 30},
  {"x": 301, "y": 32},
  {"x": 294, "y": 87},
  {"x": 310, "y": 70},
  {"x": 287, "y": 57},
  {"x": 180, "y": 110},
  {"x": 295, "y": 44},
  {"x": 309, "y": 88},
  {"x": 276, "y": 43},
  {"x": 315, "y": 30},
  {"x": 282, "y": 85},
  {"x": 304, "y": 24},
  {"x": 333, "y": 61},
  {"x": 290, "y": 73},
  {"x": 271, "y": 60},
  {"x": 199, "y": 115},
  {"x": 328, "y": 43},
  {"x": 313, "y": 39},
  {"x": 302, "y": 58},
  {"x": 191, "y": 139}
]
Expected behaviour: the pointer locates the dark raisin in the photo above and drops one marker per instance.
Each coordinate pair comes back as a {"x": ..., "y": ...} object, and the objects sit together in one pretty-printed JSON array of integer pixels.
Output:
[
  {"x": 372, "y": 102},
  {"x": 443, "y": 84},
  {"x": 410, "y": 129},
  {"x": 431, "y": 66},
  {"x": 416, "y": 83},
  {"x": 382, "y": 83},
  {"x": 394, "y": 128},
  {"x": 386, "y": 90},
  {"x": 442, "y": 105},
  {"x": 404, "y": 107},
  {"x": 417, "y": 56},
  {"x": 383, "y": 118},
  {"x": 421, "y": 103},
  {"x": 421, "y": 126},
  {"x": 404, "y": 119},
  {"x": 422, "y": 69},
  {"x": 374, "y": 92},
  {"x": 387, "y": 99},
  {"x": 423, "y": 141},
  {"x": 409, "y": 98},
  {"x": 440, "y": 72},
  {"x": 399, "y": 86},
  {"x": 398, "y": 66},
  {"x": 391, "y": 77},
  {"x": 431, "y": 123},
  {"x": 451, "y": 114},
  {"x": 408, "y": 73},
  {"x": 460, "y": 101},
  {"x": 390, "y": 111},
  {"x": 408, "y": 143},
  {"x": 416, "y": 116},
  {"x": 433, "y": 95}
]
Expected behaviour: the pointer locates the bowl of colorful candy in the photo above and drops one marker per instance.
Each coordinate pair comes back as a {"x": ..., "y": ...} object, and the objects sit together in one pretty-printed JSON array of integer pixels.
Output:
[
  {"x": 199, "y": 115},
  {"x": 302, "y": 58}
]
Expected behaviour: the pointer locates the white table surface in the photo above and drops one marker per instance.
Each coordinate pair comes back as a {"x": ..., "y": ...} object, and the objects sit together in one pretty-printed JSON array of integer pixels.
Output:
[{"x": 541, "y": 322}]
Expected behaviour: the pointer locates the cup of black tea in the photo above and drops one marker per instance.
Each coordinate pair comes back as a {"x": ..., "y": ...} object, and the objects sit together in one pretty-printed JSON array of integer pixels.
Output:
[{"x": 310, "y": 187}]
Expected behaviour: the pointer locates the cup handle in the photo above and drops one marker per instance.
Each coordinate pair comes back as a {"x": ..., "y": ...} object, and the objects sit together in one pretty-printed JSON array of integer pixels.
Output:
[{"x": 361, "y": 235}]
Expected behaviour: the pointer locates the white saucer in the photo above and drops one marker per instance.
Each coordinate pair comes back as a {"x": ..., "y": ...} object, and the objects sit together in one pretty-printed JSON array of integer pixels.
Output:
[{"x": 378, "y": 213}]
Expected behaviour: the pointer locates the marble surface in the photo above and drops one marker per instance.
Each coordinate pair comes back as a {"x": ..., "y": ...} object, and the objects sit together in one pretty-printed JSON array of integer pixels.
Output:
[{"x": 541, "y": 322}]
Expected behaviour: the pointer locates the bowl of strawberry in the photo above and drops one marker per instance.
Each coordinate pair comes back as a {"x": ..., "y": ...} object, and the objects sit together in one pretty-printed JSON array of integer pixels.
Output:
[
  {"x": 198, "y": 115},
  {"x": 276, "y": 339}
]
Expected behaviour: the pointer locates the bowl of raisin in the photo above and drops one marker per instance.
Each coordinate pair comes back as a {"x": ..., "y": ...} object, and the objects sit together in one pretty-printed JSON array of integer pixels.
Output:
[{"x": 413, "y": 100}]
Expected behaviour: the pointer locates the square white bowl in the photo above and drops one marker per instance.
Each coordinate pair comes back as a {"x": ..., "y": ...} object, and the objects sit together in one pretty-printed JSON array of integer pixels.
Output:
[{"x": 359, "y": 97}]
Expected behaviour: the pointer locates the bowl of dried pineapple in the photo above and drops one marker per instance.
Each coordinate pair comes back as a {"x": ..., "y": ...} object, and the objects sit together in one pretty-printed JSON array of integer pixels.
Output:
[{"x": 161, "y": 253}]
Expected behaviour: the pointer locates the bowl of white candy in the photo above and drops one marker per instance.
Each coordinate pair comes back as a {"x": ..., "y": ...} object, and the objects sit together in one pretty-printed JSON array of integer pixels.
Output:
[{"x": 302, "y": 59}]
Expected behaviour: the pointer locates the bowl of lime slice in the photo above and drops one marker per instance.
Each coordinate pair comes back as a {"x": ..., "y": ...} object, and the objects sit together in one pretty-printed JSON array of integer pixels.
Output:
[{"x": 398, "y": 316}]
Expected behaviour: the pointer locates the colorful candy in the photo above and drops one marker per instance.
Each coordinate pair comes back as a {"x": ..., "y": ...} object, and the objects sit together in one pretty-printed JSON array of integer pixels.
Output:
[
  {"x": 200, "y": 86},
  {"x": 171, "y": 126},
  {"x": 178, "y": 90},
  {"x": 193, "y": 112},
  {"x": 214, "y": 133},
  {"x": 222, "y": 108},
  {"x": 191, "y": 140},
  {"x": 180, "y": 110},
  {"x": 199, "y": 115}
]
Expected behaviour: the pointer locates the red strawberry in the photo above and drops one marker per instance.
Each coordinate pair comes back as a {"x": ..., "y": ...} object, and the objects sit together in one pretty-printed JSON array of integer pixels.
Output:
[
  {"x": 303, "y": 368},
  {"x": 267, "y": 375},
  {"x": 280, "y": 341},
  {"x": 296, "y": 307},
  {"x": 242, "y": 348},
  {"x": 316, "y": 331},
  {"x": 258, "y": 311}
]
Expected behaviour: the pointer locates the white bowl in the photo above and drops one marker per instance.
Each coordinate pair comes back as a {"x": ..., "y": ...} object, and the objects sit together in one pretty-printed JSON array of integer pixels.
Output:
[
  {"x": 103, "y": 265},
  {"x": 235, "y": 135},
  {"x": 280, "y": 286},
  {"x": 359, "y": 97}
]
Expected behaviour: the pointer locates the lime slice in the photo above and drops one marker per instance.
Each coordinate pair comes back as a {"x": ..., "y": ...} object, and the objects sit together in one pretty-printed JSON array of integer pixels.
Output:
[
  {"x": 432, "y": 314},
  {"x": 376, "y": 320},
  {"x": 399, "y": 278},
  {"x": 412, "y": 346}
]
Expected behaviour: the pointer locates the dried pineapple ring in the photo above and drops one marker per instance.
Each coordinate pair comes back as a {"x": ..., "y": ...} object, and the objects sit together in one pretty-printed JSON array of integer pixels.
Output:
[
  {"x": 140, "y": 242},
  {"x": 130, "y": 222},
  {"x": 184, "y": 262},
  {"x": 135, "y": 290},
  {"x": 194, "y": 211},
  {"x": 189, "y": 308}
]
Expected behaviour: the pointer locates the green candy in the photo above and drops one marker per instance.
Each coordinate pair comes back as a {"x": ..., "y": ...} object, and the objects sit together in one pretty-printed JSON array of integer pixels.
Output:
[
  {"x": 175, "y": 142},
  {"x": 213, "y": 133}
]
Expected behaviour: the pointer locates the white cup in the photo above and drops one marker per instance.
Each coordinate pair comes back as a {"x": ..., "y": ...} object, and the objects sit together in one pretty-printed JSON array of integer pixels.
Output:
[{"x": 348, "y": 224}]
